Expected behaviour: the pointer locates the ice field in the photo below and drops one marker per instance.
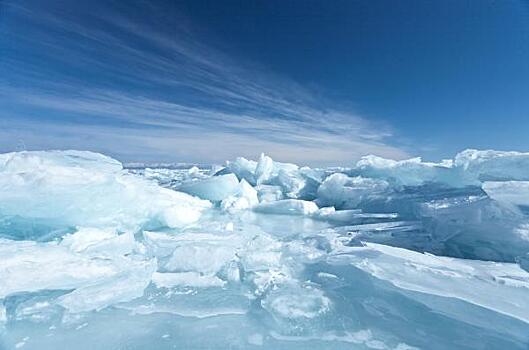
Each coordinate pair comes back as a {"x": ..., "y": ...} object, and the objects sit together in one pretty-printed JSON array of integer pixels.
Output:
[{"x": 264, "y": 255}]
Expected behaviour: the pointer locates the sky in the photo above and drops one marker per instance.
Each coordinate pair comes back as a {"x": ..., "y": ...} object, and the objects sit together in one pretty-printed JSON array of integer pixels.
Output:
[{"x": 311, "y": 82}]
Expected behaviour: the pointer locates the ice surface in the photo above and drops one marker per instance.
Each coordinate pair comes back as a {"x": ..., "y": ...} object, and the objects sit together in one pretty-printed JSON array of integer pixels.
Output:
[
  {"x": 186, "y": 279},
  {"x": 477, "y": 282},
  {"x": 262, "y": 254}
]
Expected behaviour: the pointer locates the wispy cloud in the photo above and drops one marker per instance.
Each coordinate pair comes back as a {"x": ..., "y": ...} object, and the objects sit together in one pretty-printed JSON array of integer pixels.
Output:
[{"x": 112, "y": 82}]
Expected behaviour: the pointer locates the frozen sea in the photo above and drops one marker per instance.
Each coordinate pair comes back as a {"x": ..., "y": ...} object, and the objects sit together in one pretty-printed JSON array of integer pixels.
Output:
[{"x": 258, "y": 254}]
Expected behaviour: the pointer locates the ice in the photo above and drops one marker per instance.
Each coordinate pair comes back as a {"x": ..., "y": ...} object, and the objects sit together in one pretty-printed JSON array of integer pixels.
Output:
[
  {"x": 31, "y": 267},
  {"x": 293, "y": 182},
  {"x": 262, "y": 254},
  {"x": 362, "y": 337},
  {"x": 297, "y": 302},
  {"x": 470, "y": 167},
  {"x": 99, "y": 242},
  {"x": 345, "y": 192},
  {"x": 245, "y": 197},
  {"x": 476, "y": 282},
  {"x": 410, "y": 172},
  {"x": 263, "y": 170},
  {"x": 243, "y": 168},
  {"x": 269, "y": 193},
  {"x": 72, "y": 188},
  {"x": 128, "y": 285},
  {"x": 207, "y": 257},
  {"x": 513, "y": 192},
  {"x": 167, "y": 176},
  {"x": 186, "y": 279},
  {"x": 523, "y": 261},
  {"x": 490, "y": 165},
  {"x": 476, "y": 227},
  {"x": 351, "y": 215},
  {"x": 288, "y": 207},
  {"x": 3, "y": 315},
  {"x": 215, "y": 188}
]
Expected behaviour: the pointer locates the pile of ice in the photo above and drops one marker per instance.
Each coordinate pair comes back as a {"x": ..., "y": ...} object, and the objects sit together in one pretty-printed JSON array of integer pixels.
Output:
[
  {"x": 66, "y": 189},
  {"x": 262, "y": 254}
]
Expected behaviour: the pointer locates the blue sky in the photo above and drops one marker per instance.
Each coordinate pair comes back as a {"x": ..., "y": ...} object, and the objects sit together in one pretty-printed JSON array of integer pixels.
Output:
[{"x": 313, "y": 82}]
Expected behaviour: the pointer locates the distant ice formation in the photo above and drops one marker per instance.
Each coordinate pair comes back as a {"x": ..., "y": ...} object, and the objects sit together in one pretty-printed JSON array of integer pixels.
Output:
[{"x": 264, "y": 255}]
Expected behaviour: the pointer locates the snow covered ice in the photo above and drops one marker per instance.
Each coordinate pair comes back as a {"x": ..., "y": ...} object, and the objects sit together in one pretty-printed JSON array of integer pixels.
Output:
[{"x": 264, "y": 255}]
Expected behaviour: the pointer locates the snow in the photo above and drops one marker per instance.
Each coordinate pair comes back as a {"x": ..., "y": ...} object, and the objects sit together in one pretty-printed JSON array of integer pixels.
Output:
[{"x": 382, "y": 255}]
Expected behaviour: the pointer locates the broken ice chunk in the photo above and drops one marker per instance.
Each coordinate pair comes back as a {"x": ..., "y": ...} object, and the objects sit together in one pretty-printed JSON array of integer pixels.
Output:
[
  {"x": 344, "y": 192},
  {"x": 447, "y": 277},
  {"x": 288, "y": 206},
  {"x": 243, "y": 168},
  {"x": 513, "y": 192},
  {"x": 214, "y": 188},
  {"x": 351, "y": 215},
  {"x": 489, "y": 165},
  {"x": 264, "y": 168},
  {"x": 126, "y": 286},
  {"x": 197, "y": 252},
  {"x": 31, "y": 267},
  {"x": 73, "y": 188},
  {"x": 202, "y": 257},
  {"x": 96, "y": 242},
  {"x": 83, "y": 238},
  {"x": 244, "y": 198},
  {"x": 269, "y": 193},
  {"x": 409, "y": 172}
]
